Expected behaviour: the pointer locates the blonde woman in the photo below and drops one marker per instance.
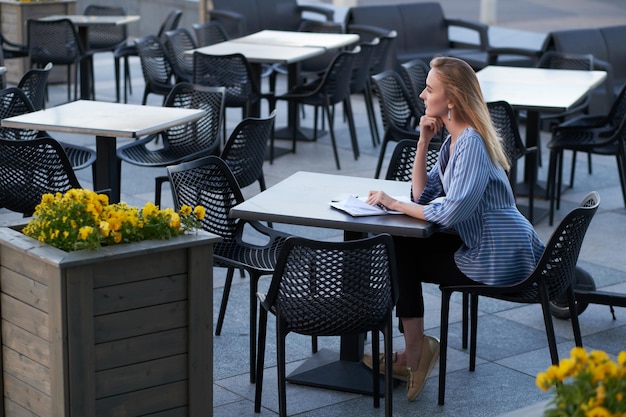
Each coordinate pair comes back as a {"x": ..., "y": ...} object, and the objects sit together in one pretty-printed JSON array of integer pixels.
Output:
[{"x": 483, "y": 239}]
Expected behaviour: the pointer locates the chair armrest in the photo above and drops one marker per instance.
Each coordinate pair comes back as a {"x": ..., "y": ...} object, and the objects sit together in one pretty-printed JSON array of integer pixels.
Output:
[
  {"x": 494, "y": 54},
  {"x": 234, "y": 23},
  {"x": 600, "y": 65},
  {"x": 324, "y": 11},
  {"x": 480, "y": 28}
]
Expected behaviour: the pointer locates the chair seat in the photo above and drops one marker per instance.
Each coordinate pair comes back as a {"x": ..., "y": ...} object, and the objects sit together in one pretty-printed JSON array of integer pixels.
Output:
[
  {"x": 79, "y": 156},
  {"x": 260, "y": 258}
]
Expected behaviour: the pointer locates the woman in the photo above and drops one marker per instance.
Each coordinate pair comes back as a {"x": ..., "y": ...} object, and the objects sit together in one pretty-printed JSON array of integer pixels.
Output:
[{"x": 483, "y": 239}]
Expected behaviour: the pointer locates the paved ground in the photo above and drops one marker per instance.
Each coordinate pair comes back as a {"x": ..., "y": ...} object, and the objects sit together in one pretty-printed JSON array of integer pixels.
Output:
[{"x": 511, "y": 345}]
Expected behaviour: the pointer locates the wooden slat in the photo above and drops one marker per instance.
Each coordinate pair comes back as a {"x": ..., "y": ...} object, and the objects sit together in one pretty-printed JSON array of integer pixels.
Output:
[
  {"x": 141, "y": 321},
  {"x": 26, "y": 370},
  {"x": 26, "y": 343},
  {"x": 144, "y": 402},
  {"x": 139, "y": 294},
  {"x": 141, "y": 376},
  {"x": 24, "y": 289},
  {"x": 80, "y": 343},
  {"x": 26, "y": 396},
  {"x": 200, "y": 330},
  {"x": 141, "y": 348},
  {"x": 176, "y": 412},
  {"x": 138, "y": 268},
  {"x": 16, "y": 261},
  {"x": 24, "y": 316},
  {"x": 15, "y": 410}
]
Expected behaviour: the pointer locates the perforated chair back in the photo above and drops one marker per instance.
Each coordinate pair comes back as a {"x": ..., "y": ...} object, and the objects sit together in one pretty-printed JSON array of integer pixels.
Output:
[
  {"x": 155, "y": 65},
  {"x": 230, "y": 71},
  {"x": 505, "y": 121},
  {"x": 171, "y": 22},
  {"x": 15, "y": 102},
  {"x": 29, "y": 169},
  {"x": 244, "y": 151},
  {"x": 178, "y": 41},
  {"x": 55, "y": 41},
  {"x": 34, "y": 83},
  {"x": 106, "y": 37},
  {"x": 414, "y": 74},
  {"x": 401, "y": 163},
  {"x": 330, "y": 289},
  {"x": 561, "y": 60},
  {"x": 209, "y": 33},
  {"x": 201, "y": 136},
  {"x": 399, "y": 114}
]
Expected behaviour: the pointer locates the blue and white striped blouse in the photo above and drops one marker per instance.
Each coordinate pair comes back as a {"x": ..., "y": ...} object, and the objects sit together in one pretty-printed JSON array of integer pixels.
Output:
[{"x": 500, "y": 245}]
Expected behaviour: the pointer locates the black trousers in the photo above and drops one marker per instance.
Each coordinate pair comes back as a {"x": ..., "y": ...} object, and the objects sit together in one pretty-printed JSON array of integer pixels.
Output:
[{"x": 425, "y": 260}]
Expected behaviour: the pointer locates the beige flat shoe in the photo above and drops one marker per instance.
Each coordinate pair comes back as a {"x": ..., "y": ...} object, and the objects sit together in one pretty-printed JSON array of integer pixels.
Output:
[
  {"x": 399, "y": 372},
  {"x": 417, "y": 378}
]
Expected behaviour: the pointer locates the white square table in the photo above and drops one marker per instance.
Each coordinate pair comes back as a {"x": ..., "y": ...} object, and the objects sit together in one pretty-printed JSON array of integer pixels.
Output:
[
  {"x": 82, "y": 23},
  {"x": 537, "y": 90},
  {"x": 304, "y": 199},
  {"x": 282, "y": 47},
  {"x": 107, "y": 121}
]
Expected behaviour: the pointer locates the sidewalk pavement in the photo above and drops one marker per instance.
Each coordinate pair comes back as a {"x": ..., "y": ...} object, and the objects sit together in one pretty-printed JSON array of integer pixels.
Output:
[{"x": 512, "y": 345}]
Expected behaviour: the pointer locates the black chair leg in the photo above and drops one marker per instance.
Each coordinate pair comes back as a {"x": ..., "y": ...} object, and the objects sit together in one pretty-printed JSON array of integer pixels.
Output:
[
  {"x": 443, "y": 343},
  {"x": 474, "y": 331},
  {"x": 227, "y": 284},
  {"x": 260, "y": 364},
  {"x": 465, "y": 320},
  {"x": 331, "y": 129}
]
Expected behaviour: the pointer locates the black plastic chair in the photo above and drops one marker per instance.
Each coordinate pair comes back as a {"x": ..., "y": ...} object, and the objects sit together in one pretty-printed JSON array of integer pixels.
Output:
[
  {"x": 209, "y": 33},
  {"x": 245, "y": 149},
  {"x": 57, "y": 41},
  {"x": 594, "y": 141},
  {"x": 398, "y": 111},
  {"x": 360, "y": 82},
  {"x": 333, "y": 88},
  {"x": 378, "y": 60},
  {"x": 15, "y": 102},
  {"x": 12, "y": 49},
  {"x": 178, "y": 41},
  {"x": 232, "y": 72},
  {"x": 106, "y": 38},
  {"x": 505, "y": 121},
  {"x": 331, "y": 289},
  {"x": 184, "y": 142},
  {"x": 602, "y": 124},
  {"x": 414, "y": 74},
  {"x": 401, "y": 163},
  {"x": 31, "y": 168},
  {"x": 158, "y": 73},
  {"x": 127, "y": 50},
  {"x": 35, "y": 84},
  {"x": 210, "y": 183},
  {"x": 552, "y": 277}
]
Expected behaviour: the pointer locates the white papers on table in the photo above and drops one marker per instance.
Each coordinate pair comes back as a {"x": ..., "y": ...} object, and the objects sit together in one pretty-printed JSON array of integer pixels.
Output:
[{"x": 357, "y": 207}]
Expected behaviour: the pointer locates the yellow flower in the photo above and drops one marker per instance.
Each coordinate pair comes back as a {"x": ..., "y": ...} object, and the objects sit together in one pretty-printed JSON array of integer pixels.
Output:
[
  {"x": 84, "y": 232},
  {"x": 185, "y": 210},
  {"x": 598, "y": 412},
  {"x": 199, "y": 212},
  {"x": 83, "y": 219}
]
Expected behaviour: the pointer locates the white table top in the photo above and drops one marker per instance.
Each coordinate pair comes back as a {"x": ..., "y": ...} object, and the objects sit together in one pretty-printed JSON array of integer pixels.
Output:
[
  {"x": 550, "y": 90},
  {"x": 300, "y": 39},
  {"x": 84, "y": 20},
  {"x": 260, "y": 54},
  {"x": 104, "y": 119},
  {"x": 304, "y": 199}
]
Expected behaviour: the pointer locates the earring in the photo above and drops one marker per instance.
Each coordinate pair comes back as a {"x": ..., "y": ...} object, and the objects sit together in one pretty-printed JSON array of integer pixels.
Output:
[{"x": 449, "y": 115}]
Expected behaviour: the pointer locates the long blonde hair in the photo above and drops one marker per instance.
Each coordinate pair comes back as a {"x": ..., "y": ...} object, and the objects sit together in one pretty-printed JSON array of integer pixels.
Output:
[{"x": 462, "y": 88}]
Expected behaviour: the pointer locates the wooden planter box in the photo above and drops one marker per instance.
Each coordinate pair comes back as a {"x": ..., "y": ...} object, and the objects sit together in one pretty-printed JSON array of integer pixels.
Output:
[{"x": 121, "y": 331}]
